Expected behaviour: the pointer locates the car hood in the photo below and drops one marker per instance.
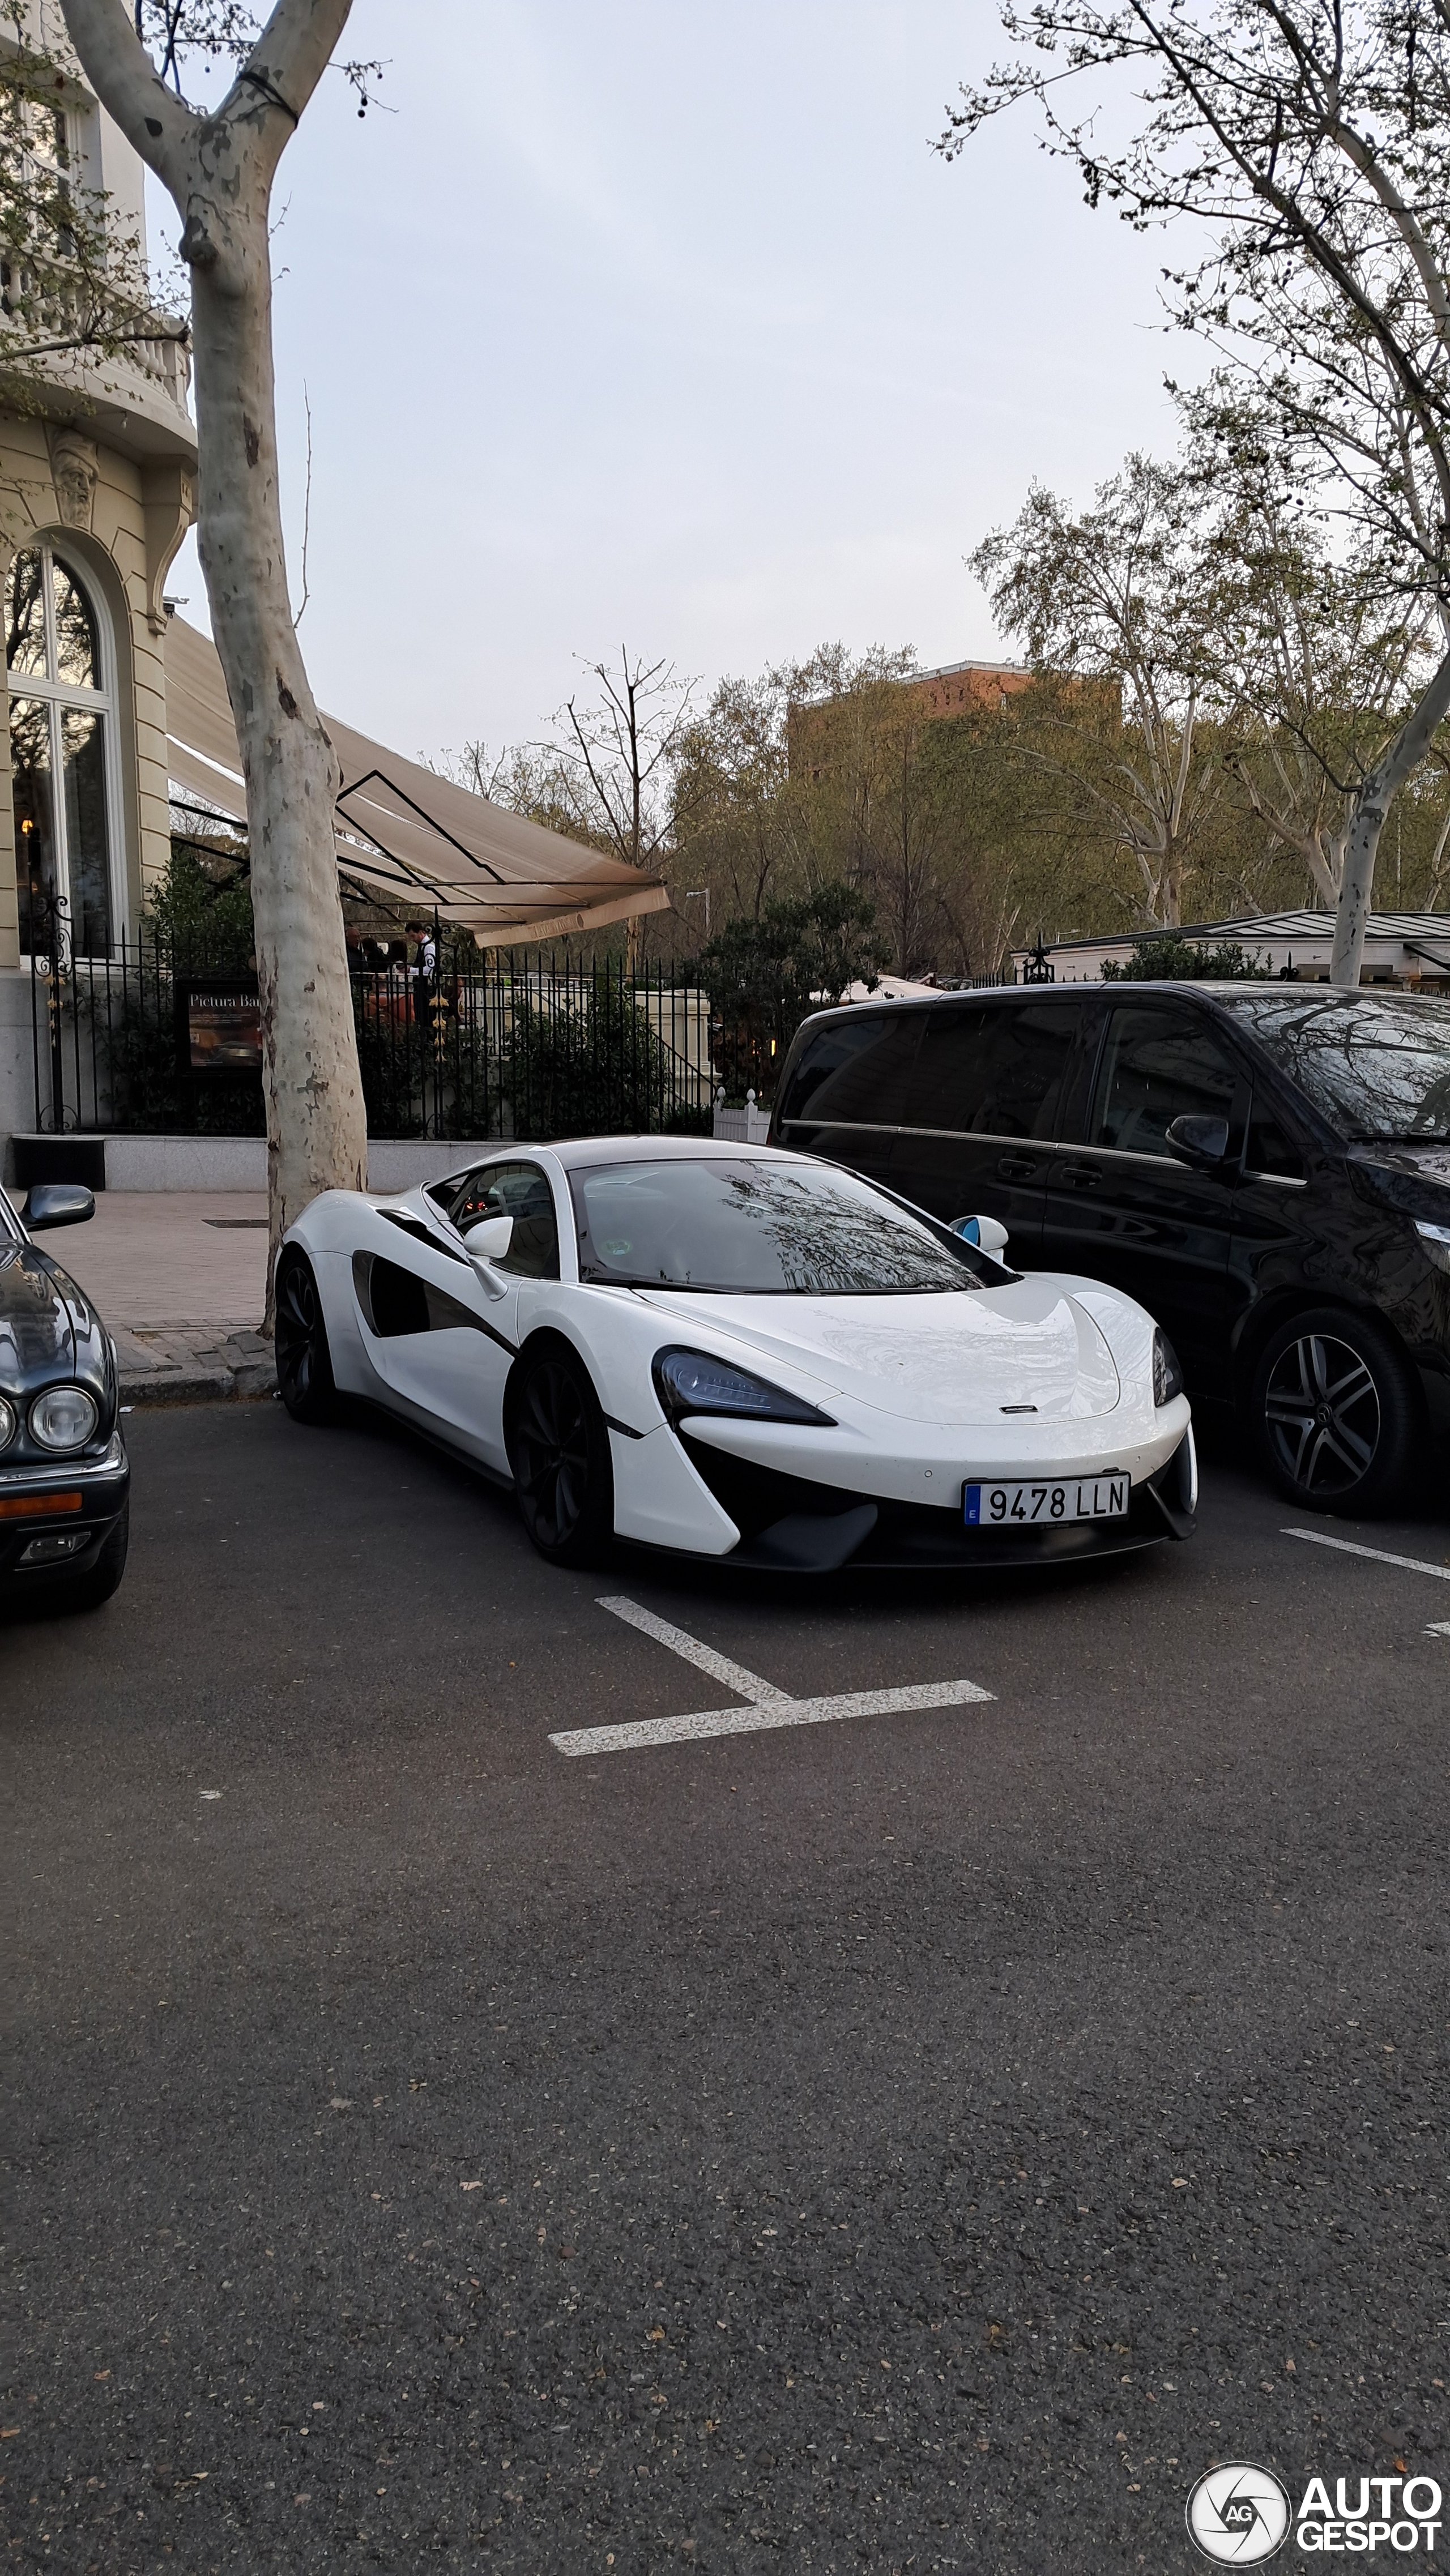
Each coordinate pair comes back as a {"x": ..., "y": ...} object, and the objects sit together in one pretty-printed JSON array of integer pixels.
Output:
[
  {"x": 1413, "y": 1177},
  {"x": 48, "y": 1330},
  {"x": 946, "y": 1359},
  {"x": 1428, "y": 1162}
]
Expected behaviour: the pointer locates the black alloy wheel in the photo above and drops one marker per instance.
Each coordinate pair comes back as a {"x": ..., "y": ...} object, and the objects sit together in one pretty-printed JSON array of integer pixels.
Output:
[
  {"x": 559, "y": 1453},
  {"x": 304, "y": 1362},
  {"x": 1336, "y": 1413}
]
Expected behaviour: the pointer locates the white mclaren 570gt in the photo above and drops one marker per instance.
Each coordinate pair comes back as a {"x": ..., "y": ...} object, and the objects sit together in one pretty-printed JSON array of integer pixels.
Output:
[{"x": 740, "y": 1354}]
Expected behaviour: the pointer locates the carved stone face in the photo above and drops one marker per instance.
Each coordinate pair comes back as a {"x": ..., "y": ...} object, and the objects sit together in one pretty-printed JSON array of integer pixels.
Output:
[{"x": 74, "y": 470}]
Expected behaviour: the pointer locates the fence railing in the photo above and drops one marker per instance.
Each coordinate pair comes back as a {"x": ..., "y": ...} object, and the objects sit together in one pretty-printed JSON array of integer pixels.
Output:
[{"x": 161, "y": 1038}]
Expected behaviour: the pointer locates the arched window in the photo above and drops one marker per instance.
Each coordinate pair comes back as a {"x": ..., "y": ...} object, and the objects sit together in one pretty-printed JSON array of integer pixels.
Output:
[{"x": 62, "y": 705}]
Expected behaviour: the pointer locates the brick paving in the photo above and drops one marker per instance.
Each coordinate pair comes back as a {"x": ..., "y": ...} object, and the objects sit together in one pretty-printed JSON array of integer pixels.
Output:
[{"x": 180, "y": 1277}]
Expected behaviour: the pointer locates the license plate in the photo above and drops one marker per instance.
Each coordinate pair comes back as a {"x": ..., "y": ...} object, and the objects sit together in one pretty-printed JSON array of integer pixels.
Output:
[{"x": 1078, "y": 1498}]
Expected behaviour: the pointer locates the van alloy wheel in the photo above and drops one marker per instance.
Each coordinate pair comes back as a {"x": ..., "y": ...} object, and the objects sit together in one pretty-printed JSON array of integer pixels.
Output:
[
  {"x": 1337, "y": 1412},
  {"x": 1323, "y": 1411}
]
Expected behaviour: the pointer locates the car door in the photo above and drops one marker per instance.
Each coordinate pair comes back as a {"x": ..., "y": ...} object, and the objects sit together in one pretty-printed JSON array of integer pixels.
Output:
[
  {"x": 847, "y": 1089},
  {"x": 1119, "y": 1207},
  {"x": 1280, "y": 1236},
  {"x": 982, "y": 1109},
  {"x": 442, "y": 1332}
]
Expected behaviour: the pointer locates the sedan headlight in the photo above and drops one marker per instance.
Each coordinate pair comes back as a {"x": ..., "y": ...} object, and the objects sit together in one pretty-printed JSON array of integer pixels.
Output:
[
  {"x": 1436, "y": 1240},
  {"x": 65, "y": 1417},
  {"x": 693, "y": 1382},
  {"x": 1167, "y": 1375},
  {"x": 7, "y": 1423}
]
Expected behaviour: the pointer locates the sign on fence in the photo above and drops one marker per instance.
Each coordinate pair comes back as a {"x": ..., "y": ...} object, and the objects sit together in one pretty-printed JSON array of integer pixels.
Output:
[{"x": 219, "y": 1026}]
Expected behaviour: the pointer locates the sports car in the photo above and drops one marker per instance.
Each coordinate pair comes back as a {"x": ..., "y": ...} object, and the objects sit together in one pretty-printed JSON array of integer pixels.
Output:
[{"x": 742, "y": 1354}]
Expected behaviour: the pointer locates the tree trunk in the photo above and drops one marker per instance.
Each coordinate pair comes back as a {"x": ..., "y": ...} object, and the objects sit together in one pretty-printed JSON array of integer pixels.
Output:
[
  {"x": 316, "y": 1122},
  {"x": 219, "y": 170},
  {"x": 1371, "y": 805}
]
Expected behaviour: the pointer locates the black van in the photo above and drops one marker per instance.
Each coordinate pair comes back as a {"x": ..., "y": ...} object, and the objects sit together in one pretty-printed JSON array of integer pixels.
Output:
[{"x": 1264, "y": 1166}]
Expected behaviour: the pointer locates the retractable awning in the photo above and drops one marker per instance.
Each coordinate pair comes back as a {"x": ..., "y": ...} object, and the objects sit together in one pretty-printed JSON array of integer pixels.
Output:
[{"x": 405, "y": 831}]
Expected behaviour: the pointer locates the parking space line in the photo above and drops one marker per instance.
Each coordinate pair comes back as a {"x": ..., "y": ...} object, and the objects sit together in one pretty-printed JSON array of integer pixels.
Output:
[
  {"x": 775, "y": 1712},
  {"x": 1381, "y": 1556},
  {"x": 765, "y": 1705},
  {"x": 704, "y": 1658}
]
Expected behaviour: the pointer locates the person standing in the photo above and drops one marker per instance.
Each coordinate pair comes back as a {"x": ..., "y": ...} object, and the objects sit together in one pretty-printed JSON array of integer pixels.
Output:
[{"x": 425, "y": 972}]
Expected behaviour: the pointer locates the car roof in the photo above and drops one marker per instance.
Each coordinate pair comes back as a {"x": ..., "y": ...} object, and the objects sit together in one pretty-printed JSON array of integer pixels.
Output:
[
  {"x": 1208, "y": 989},
  {"x": 577, "y": 1151}
]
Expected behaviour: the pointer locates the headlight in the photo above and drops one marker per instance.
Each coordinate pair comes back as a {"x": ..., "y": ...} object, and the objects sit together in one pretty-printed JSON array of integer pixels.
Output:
[
  {"x": 7, "y": 1423},
  {"x": 1436, "y": 1240},
  {"x": 1167, "y": 1375},
  {"x": 63, "y": 1418},
  {"x": 693, "y": 1382}
]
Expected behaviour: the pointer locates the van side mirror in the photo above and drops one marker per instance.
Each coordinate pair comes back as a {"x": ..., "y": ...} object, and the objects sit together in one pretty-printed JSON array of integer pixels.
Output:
[
  {"x": 1201, "y": 1143},
  {"x": 56, "y": 1203},
  {"x": 987, "y": 1232},
  {"x": 489, "y": 1240}
]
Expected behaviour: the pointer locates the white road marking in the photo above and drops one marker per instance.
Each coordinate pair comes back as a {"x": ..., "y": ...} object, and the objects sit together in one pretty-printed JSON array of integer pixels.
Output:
[
  {"x": 704, "y": 1658},
  {"x": 766, "y": 1706},
  {"x": 774, "y": 1712},
  {"x": 1441, "y": 1628},
  {"x": 1349, "y": 1547}
]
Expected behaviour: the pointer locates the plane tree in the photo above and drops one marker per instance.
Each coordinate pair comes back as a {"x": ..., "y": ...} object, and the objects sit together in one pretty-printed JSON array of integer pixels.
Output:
[
  {"x": 219, "y": 165},
  {"x": 1303, "y": 146}
]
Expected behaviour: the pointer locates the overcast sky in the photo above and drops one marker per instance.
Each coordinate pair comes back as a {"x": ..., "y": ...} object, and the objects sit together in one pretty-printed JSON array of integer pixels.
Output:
[{"x": 662, "y": 322}]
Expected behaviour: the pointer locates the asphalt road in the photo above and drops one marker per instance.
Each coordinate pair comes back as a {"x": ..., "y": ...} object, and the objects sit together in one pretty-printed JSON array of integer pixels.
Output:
[{"x": 920, "y": 2141}]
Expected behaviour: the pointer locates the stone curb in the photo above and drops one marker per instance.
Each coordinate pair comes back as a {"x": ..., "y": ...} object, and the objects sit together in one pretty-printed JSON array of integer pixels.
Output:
[{"x": 193, "y": 1364}]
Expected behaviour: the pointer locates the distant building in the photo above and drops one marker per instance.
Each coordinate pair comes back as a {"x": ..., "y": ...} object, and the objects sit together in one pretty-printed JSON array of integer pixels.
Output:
[
  {"x": 1411, "y": 949},
  {"x": 960, "y": 688},
  {"x": 814, "y": 728}
]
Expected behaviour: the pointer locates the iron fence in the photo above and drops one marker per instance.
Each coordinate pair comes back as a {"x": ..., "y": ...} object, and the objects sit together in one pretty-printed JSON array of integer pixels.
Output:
[{"x": 161, "y": 1038}]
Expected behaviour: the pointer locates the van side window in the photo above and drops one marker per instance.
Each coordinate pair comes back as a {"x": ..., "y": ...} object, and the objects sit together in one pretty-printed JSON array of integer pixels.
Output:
[
  {"x": 854, "y": 1073},
  {"x": 1158, "y": 1064},
  {"x": 993, "y": 1068},
  {"x": 1269, "y": 1149}
]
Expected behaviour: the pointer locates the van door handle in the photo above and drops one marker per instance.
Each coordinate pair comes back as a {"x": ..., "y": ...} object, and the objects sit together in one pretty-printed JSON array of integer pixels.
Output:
[
  {"x": 1017, "y": 1167},
  {"x": 1080, "y": 1176}
]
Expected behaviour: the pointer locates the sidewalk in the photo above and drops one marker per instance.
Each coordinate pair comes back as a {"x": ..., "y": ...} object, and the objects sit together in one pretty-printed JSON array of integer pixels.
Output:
[{"x": 180, "y": 1278}]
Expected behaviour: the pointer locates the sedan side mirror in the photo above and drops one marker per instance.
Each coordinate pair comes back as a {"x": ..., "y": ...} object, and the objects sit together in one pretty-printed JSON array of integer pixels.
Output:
[
  {"x": 489, "y": 1240},
  {"x": 1201, "y": 1143},
  {"x": 987, "y": 1232},
  {"x": 56, "y": 1203}
]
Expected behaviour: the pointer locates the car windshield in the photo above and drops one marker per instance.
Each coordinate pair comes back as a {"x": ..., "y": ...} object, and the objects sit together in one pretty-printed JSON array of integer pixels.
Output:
[
  {"x": 9, "y": 1224},
  {"x": 755, "y": 1229},
  {"x": 1377, "y": 1065}
]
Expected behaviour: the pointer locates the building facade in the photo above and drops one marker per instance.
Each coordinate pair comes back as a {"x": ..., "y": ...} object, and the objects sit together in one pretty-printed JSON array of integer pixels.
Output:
[
  {"x": 1407, "y": 949},
  {"x": 97, "y": 491}
]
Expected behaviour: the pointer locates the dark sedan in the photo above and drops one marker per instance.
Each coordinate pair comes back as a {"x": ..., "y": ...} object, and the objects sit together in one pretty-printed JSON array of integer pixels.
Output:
[{"x": 64, "y": 1475}]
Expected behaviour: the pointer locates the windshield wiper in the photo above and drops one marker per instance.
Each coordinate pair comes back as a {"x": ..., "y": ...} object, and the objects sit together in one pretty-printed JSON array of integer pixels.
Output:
[{"x": 626, "y": 1279}]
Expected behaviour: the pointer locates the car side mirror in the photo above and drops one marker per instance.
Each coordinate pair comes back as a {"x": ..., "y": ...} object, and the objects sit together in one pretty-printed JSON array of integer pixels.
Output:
[
  {"x": 987, "y": 1232},
  {"x": 56, "y": 1203},
  {"x": 489, "y": 1240},
  {"x": 1201, "y": 1143}
]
